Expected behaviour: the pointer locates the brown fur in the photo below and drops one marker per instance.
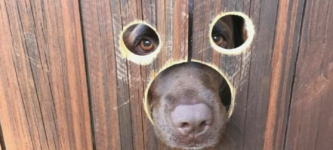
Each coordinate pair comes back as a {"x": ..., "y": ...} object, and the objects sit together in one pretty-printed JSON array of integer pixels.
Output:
[{"x": 187, "y": 83}]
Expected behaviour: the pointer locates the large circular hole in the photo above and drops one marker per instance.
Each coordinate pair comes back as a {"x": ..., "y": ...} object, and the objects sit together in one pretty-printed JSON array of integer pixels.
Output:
[
  {"x": 231, "y": 33},
  {"x": 186, "y": 81},
  {"x": 140, "y": 42}
]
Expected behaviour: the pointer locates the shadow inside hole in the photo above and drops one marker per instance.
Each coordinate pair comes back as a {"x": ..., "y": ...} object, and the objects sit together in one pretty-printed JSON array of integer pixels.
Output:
[
  {"x": 229, "y": 32},
  {"x": 140, "y": 39},
  {"x": 225, "y": 94}
]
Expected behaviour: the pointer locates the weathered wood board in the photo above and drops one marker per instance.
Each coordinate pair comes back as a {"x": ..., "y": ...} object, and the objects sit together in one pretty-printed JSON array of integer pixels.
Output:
[
  {"x": 65, "y": 83},
  {"x": 310, "y": 125},
  {"x": 43, "y": 90},
  {"x": 117, "y": 85}
]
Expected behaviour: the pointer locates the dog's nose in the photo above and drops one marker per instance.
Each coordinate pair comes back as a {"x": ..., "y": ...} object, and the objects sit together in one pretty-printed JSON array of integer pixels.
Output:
[{"x": 192, "y": 119}]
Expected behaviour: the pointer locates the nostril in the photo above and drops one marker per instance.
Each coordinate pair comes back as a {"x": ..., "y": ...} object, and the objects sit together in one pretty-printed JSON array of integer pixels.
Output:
[
  {"x": 202, "y": 127},
  {"x": 184, "y": 125},
  {"x": 203, "y": 124},
  {"x": 185, "y": 128}
]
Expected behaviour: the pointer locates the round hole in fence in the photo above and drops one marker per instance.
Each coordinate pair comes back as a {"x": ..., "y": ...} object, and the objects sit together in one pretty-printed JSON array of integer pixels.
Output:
[
  {"x": 231, "y": 33},
  {"x": 184, "y": 82},
  {"x": 140, "y": 42}
]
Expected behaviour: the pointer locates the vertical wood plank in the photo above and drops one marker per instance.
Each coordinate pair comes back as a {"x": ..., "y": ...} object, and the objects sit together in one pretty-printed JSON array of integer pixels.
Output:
[
  {"x": 11, "y": 105},
  {"x": 310, "y": 121},
  {"x": 260, "y": 73},
  {"x": 47, "y": 105},
  {"x": 128, "y": 14},
  {"x": 286, "y": 44},
  {"x": 136, "y": 80},
  {"x": 100, "y": 36}
]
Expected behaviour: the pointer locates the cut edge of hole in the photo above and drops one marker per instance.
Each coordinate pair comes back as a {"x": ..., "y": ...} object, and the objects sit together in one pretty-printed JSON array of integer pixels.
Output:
[
  {"x": 249, "y": 29},
  {"x": 231, "y": 86},
  {"x": 153, "y": 75},
  {"x": 170, "y": 64},
  {"x": 135, "y": 58}
]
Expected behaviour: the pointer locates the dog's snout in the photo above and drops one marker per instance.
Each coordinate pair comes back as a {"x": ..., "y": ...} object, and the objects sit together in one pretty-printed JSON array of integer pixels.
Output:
[{"x": 192, "y": 119}]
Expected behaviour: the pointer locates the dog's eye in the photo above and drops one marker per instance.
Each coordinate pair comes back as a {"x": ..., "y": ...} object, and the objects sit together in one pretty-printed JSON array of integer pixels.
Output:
[
  {"x": 146, "y": 45},
  {"x": 219, "y": 40}
]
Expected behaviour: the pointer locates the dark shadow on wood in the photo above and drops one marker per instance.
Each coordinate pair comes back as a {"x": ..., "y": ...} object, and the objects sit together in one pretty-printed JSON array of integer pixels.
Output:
[
  {"x": 87, "y": 79},
  {"x": 225, "y": 94},
  {"x": 294, "y": 76},
  {"x": 238, "y": 23},
  {"x": 190, "y": 25},
  {"x": 2, "y": 140}
]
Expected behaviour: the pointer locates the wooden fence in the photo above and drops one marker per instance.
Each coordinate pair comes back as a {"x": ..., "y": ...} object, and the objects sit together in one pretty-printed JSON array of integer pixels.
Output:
[{"x": 64, "y": 83}]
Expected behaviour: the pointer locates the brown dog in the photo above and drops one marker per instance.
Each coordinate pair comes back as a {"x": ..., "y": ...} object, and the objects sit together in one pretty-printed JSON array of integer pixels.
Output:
[
  {"x": 186, "y": 106},
  {"x": 188, "y": 100}
]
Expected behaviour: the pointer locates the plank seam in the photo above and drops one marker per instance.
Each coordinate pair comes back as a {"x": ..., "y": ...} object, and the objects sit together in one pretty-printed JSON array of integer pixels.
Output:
[
  {"x": 2, "y": 139},
  {"x": 256, "y": 142},
  {"x": 85, "y": 53},
  {"x": 122, "y": 74},
  {"x": 294, "y": 75},
  {"x": 42, "y": 66},
  {"x": 250, "y": 65},
  {"x": 190, "y": 32},
  {"x": 14, "y": 64}
]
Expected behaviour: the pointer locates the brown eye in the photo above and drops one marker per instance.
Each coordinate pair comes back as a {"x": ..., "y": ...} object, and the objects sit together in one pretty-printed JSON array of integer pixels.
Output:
[
  {"x": 218, "y": 39},
  {"x": 146, "y": 45}
]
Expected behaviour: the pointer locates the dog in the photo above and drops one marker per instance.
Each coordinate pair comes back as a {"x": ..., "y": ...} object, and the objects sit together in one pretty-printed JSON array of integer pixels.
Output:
[
  {"x": 186, "y": 106},
  {"x": 188, "y": 101}
]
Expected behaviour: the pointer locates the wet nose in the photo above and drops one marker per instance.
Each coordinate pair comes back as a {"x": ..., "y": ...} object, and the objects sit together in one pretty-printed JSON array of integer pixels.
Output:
[{"x": 192, "y": 119}]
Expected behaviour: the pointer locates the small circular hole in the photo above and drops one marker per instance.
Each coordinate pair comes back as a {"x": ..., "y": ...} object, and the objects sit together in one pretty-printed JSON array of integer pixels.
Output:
[
  {"x": 139, "y": 42},
  {"x": 140, "y": 39},
  {"x": 231, "y": 33}
]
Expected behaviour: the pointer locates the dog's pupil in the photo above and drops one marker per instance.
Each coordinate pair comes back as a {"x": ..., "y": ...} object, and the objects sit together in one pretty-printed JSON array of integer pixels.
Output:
[
  {"x": 218, "y": 39},
  {"x": 146, "y": 43}
]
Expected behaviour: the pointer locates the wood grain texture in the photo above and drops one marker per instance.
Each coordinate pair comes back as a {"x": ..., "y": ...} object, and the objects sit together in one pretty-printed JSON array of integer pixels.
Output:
[
  {"x": 311, "y": 121},
  {"x": 43, "y": 98},
  {"x": 283, "y": 82},
  {"x": 249, "y": 72},
  {"x": 119, "y": 120},
  {"x": 97, "y": 21},
  {"x": 286, "y": 46}
]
